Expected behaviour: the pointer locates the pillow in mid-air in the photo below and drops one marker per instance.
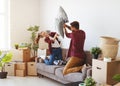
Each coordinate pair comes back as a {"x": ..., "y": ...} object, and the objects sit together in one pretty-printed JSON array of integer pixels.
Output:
[{"x": 60, "y": 20}]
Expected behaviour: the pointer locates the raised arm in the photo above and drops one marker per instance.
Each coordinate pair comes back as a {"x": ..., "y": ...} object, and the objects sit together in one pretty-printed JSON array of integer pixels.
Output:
[{"x": 66, "y": 33}]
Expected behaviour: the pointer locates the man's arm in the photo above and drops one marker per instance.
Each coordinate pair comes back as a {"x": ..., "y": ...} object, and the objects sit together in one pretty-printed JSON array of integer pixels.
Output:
[
  {"x": 66, "y": 33},
  {"x": 68, "y": 26}
]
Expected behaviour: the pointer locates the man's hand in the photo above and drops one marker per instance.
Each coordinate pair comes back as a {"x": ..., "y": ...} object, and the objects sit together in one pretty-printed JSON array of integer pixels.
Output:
[{"x": 64, "y": 26}]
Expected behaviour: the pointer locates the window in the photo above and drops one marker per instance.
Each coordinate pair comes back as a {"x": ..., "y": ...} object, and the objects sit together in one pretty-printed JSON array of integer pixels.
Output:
[{"x": 4, "y": 25}]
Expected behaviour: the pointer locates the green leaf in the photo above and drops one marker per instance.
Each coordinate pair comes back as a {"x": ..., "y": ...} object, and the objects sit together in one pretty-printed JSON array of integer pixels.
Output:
[
  {"x": 95, "y": 50},
  {"x": 0, "y": 64},
  {"x": 0, "y": 53},
  {"x": 116, "y": 77},
  {"x": 7, "y": 58},
  {"x": 34, "y": 29},
  {"x": 89, "y": 81}
]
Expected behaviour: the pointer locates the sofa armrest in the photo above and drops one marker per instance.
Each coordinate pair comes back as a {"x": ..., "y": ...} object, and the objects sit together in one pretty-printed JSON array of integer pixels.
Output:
[
  {"x": 89, "y": 72},
  {"x": 86, "y": 70},
  {"x": 37, "y": 60}
]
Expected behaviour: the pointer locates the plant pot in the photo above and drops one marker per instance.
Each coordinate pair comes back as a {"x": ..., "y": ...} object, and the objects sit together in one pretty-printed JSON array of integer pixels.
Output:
[
  {"x": 109, "y": 50},
  {"x": 95, "y": 56},
  {"x": 16, "y": 47},
  {"x": 82, "y": 84},
  {"x": 3, "y": 75}
]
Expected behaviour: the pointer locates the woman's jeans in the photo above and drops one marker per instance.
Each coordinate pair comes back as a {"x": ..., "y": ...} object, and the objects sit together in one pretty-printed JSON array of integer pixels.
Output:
[{"x": 56, "y": 55}]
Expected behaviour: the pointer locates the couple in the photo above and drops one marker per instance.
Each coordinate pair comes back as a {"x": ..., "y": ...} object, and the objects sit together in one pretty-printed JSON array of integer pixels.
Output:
[{"x": 76, "y": 49}]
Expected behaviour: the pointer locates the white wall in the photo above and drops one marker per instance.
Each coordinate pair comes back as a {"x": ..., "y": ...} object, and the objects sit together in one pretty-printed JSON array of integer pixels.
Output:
[
  {"x": 97, "y": 17},
  {"x": 23, "y": 13}
]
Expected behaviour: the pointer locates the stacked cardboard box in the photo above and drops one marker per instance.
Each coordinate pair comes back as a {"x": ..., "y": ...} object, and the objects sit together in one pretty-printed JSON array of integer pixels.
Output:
[
  {"x": 31, "y": 68},
  {"x": 22, "y": 66},
  {"x": 10, "y": 68},
  {"x": 21, "y": 55},
  {"x": 21, "y": 69}
]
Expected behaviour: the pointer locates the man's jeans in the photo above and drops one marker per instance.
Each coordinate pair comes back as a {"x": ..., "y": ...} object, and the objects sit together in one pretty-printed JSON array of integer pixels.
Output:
[{"x": 56, "y": 55}]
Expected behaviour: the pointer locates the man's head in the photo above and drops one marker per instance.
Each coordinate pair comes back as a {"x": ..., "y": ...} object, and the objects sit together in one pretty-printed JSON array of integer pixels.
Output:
[{"x": 74, "y": 25}]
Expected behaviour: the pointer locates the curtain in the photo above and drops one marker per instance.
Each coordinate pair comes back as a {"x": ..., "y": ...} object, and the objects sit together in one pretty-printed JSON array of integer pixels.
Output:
[{"x": 4, "y": 25}]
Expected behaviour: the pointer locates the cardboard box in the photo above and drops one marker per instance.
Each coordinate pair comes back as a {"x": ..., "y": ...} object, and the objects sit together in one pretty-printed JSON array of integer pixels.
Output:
[
  {"x": 102, "y": 72},
  {"x": 21, "y": 55},
  {"x": 31, "y": 68},
  {"x": 10, "y": 68},
  {"x": 20, "y": 66},
  {"x": 20, "y": 73}
]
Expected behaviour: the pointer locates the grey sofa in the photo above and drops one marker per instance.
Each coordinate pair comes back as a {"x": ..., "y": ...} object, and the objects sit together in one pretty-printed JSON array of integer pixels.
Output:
[{"x": 55, "y": 71}]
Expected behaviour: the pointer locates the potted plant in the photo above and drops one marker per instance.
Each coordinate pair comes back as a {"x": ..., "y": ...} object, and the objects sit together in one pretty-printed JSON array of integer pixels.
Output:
[
  {"x": 89, "y": 81},
  {"x": 116, "y": 77},
  {"x": 95, "y": 51},
  {"x": 5, "y": 57},
  {"x": 33, "y": 46},
  {"x": 16, "y": 46}
]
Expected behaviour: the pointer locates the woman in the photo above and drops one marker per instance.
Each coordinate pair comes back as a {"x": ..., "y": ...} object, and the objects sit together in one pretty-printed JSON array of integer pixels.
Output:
[{"x": 54, "y": 47}]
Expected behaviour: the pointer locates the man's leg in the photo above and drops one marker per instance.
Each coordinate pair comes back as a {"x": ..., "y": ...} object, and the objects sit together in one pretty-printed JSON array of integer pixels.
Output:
[{"x": 73, "y": 65}]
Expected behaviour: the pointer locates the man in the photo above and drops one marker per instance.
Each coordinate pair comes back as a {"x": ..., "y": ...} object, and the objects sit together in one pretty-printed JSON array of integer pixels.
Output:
[
  {"x": 54, "y": 47},
  {"x": 76, "y": 48}
]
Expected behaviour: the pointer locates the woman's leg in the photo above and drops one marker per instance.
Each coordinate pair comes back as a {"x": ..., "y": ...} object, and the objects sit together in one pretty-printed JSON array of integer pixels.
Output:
[
  {"x": 50, "y": 60},
  {"x": 73, "y": 65},
  {"x": 59, "y": 54}
]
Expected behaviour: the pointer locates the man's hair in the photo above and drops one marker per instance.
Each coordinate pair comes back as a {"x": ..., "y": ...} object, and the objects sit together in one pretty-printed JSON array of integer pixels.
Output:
[{"x": 75, "y": 24}]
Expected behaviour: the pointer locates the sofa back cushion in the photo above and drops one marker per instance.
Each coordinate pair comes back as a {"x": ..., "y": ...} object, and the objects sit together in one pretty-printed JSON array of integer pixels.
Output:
[{"x": 88, "y": 56}]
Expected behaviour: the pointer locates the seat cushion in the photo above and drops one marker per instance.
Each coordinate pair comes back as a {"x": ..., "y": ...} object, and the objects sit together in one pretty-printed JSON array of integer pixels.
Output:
[
  {"x": 74, "y": 77},
  {"x": 59, "y": 72},
  {"x": 71, "y": 77},
  {"x": 47, "y": 68}
]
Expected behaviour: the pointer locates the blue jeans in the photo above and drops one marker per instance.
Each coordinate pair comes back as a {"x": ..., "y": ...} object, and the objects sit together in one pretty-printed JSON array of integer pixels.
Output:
[{"x": 56, "y": 55}]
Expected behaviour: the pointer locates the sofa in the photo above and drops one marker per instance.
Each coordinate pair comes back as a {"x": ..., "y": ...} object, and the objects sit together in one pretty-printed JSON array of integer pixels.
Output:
[{"x": 55, "y": 71}]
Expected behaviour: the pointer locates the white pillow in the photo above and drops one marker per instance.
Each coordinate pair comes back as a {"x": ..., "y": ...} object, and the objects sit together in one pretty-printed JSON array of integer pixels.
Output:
[
  {"x": 41, "y": 53},
  {"x": 60, "y": 20}
]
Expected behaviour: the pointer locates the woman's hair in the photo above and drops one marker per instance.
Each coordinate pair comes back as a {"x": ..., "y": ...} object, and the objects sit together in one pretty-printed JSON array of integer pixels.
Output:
[{"x": 39, "y": 36}]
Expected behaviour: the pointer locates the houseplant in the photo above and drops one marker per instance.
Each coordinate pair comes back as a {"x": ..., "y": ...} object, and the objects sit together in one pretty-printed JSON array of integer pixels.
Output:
[
  {"x": 16, "y": 46},
  {"x": 89, "y": 81},
  {"x": 116, "y": 77},
  {"x": 5, "y": 57},
  {"x": 33, "y": 46},
  {"x": 95, "y": 51}
]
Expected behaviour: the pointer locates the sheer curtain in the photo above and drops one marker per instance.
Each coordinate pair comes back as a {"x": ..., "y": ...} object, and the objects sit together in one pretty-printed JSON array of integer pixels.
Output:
[{"x": 4, "y": 25}]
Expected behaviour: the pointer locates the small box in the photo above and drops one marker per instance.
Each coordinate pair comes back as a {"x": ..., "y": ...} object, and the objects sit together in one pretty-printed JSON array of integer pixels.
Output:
[
  {"x": 20, "y": 73},
  {"x": 102, "y": 72},
  {"x": 22, "y": 55},
  {"x": 20, "y": 66},
  {"x": 31, "y": 68},
  {"x": 10, "y": 68}
]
